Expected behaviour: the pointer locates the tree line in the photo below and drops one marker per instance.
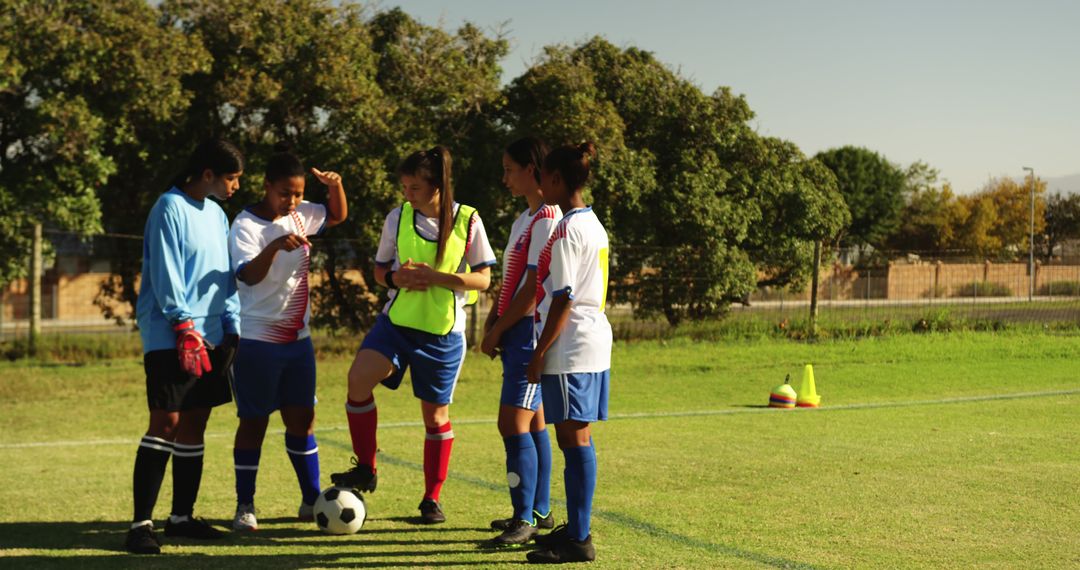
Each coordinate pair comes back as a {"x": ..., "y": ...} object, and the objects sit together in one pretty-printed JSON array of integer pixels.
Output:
[{"x": 101, "y": 100}]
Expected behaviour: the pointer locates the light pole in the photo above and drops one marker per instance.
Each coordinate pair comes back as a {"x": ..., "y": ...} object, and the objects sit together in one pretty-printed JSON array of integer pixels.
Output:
[{"x": 1031, "y": 243}]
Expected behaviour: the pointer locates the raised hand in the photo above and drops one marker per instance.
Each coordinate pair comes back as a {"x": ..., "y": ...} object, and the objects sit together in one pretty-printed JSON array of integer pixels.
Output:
[{"x": 328, "y": 178}]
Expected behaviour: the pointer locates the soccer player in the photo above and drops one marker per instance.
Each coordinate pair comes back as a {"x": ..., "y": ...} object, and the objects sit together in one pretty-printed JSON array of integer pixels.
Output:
[
  {"x": 188, "y": 319},
  {"x": 275, "y": 362},
  {"x": 572, "y": 359},
  {"x": 508, "y": 332},
  {"x": 432, "y": 252}
]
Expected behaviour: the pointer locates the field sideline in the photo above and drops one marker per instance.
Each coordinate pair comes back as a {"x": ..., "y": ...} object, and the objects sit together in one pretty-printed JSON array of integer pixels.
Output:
[{"x": 930, "y": 451}]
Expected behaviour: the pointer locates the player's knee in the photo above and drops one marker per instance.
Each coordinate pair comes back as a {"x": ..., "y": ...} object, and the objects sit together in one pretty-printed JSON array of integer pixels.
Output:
[
  {"x": 163, "y": 425},
  {"x": 435, "y": 415}
]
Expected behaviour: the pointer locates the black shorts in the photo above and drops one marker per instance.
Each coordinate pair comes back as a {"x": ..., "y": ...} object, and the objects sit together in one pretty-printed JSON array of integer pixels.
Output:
[{"x": 169, "y": 388}]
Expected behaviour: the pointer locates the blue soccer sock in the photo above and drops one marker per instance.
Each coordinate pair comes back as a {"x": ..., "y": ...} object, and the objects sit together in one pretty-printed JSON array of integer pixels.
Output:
[
  {"x": 580, "y": 481},
  {"x": 542, "y": 500},
  {"x": 521, "y": 474},
  {"x": 246, "y": 463},
  {"x": 304, "y": 454}
]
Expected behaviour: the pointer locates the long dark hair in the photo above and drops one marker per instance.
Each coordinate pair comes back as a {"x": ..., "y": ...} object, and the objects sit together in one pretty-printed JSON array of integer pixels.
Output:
[
  {"x": 433, "y": 166},
  {"x": 283, "y": 164},
  {"x": 220, "y": 156},
  {"x": 526, "y": 151},
  {"x": 573, "y": 163}
]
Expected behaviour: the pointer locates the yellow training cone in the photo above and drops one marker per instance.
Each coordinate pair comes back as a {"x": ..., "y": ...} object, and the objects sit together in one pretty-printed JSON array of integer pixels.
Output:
[{"x": 808, "y": 396}]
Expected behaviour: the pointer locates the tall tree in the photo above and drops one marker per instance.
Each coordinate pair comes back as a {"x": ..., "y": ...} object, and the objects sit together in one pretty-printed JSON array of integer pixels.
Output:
[
  {"x": 683, "y": 183},
  {"x": 1012, "y": 201},
  {"x": 81, "y": 81},
  {"x": 931, "y": 213},
  {"x": 1062, "y": 221},
  {"x": 873, "y": 189}
]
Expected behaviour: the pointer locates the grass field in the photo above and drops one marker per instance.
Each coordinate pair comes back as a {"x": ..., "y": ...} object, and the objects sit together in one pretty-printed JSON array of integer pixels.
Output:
[{"x": 931, "y": 451}]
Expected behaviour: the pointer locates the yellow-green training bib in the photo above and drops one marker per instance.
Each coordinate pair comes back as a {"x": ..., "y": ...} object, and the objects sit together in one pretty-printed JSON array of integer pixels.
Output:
[{"x": 434, "y": 310}]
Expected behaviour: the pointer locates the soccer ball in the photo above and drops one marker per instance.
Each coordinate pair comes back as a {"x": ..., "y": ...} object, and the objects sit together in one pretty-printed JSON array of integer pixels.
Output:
[{"x": 339, "y": 511}]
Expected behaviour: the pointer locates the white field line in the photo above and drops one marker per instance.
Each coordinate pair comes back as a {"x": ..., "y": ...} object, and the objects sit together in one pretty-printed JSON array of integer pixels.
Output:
[{"x": 614, "y": 417}]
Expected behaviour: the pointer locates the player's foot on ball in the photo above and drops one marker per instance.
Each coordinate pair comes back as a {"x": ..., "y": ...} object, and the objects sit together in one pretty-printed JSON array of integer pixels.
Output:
[
  {"x": 142, "y": 540},
  {"x": 431, "y": 512},
  {"x": 563, "y": 551},
  {"x": 541, "y": 522},
  {"x": 245, "y": 517},
  {"x": 192, "y": 528},
  {"x": 552, "y": 538},
  {"x": 306, "y": 512},
  {"x": 360, "y": 477},
  {"x": 520, "y": 532}
]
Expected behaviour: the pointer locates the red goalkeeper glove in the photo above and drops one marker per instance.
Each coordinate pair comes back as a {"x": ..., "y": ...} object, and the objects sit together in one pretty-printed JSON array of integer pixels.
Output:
[{"x": 191, "y": 349}]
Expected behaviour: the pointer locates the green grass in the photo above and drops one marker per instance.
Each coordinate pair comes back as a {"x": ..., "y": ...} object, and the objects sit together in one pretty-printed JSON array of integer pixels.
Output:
[{"x": 694, "y": 472}]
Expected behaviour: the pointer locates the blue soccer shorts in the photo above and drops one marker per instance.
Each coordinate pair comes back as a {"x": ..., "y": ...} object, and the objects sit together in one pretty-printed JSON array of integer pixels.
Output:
[
  {"x": 517, "y": 346},
  {"x": 581, "y": 396},
  {"x": 435, "y": 360},
  {"x": 269, "y": 375}
]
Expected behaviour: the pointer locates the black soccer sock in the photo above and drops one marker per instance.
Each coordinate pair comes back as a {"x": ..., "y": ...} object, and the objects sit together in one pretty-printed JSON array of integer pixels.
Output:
[
  {"x": 150, "y": 462},
  {"x": 187, "y": 474}
]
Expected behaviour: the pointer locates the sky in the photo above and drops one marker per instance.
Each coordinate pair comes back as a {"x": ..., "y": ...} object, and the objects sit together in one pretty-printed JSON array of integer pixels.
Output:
[{"x": 976, "y": 89}]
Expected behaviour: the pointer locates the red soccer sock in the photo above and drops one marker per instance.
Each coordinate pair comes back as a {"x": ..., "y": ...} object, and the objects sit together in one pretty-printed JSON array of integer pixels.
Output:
[
  {"x": 437, "y": 459},
  {"x": 363, "y": 421}
]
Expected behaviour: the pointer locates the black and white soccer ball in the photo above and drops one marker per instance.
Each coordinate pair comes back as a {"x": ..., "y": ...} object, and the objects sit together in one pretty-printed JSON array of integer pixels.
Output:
[{"x": 339, "y": 511}]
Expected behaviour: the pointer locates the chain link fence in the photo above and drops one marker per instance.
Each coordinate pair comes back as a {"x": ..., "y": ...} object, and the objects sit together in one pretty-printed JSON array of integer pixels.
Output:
[{"x": 899, "y": 287}]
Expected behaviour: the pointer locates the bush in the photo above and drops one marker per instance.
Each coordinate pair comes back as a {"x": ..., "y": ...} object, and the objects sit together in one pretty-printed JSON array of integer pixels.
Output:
[
  {"x": 936, "y": 292},
  {"x": 1068, "y": 288},
  {"x": 982, "y": 289}
]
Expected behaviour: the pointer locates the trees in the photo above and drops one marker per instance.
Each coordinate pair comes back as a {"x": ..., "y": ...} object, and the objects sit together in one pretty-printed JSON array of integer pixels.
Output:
[
  {"x": 701, "y": 208},
  {"x": 697, "y": 204},
  {"x": 351, "y": 90},
  {"x": 931, "y": 214},
  {"x": 80, "y": 82},
  {"x": 1062, "y": 221},
  {"x": 873, "y": 189}
]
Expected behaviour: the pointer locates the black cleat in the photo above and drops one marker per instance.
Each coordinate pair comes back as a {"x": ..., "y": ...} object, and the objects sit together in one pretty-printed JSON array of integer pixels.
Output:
[
  {"x": 431, "y": 512},
  {"x": 552, "y": 538},
  {"x": 142, "y": 540},
  {"x": 519, "y": 533},
  {"x": 564, "y": 550},
  {"x": 360, "y": 477},
  {"x": 193, "y": 528},
  {"x": 541, "y": 521}
]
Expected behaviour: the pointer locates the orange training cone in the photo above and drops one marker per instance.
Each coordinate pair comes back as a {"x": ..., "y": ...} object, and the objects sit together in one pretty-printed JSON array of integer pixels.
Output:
[{"x": 808, "y": 396}]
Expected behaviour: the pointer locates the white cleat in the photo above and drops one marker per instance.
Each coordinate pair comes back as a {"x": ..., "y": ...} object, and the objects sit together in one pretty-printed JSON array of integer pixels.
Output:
[{"x": 245, "y": 518}]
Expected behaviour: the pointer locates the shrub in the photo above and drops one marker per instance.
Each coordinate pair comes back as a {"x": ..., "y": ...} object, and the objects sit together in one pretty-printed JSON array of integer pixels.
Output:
[
  {"x": 1069, "y": 288},
  {"x": 982, "y": 289}
]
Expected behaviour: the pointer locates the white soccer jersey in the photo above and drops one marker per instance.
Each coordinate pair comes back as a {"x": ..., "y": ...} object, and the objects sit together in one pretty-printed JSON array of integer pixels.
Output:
[
  {"x": 276, "y": 308},
  {"x": 528, "y": 236},
  {"x": 575, "y": 263},
  {"x": 478, "y": 252}
]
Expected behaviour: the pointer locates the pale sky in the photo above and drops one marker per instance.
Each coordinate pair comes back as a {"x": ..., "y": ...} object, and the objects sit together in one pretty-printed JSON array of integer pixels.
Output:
[{"x": 976, "y": 89}]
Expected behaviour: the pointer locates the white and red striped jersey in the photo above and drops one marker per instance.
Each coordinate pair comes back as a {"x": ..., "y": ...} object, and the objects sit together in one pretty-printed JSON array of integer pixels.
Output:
[
  {"x": 574, "y": 262},
  {"x": 528, "y": 236},
  {"x": 276, "y": 308}
]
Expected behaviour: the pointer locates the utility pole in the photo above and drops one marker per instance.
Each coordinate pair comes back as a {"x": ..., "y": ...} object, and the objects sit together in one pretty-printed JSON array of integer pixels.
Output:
[
  {"x": 35, "y": 291},
  {"x": 1031, "y": 242},
  {"x": 814, "y": 288}
]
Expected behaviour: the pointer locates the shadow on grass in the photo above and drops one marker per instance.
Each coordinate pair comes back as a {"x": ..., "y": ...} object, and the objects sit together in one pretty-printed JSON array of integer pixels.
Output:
[{"x": 65, "y": 539}]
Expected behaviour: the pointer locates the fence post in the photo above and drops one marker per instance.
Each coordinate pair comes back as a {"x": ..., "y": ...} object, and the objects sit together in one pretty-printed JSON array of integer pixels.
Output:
[
  {"x": 35, "y": 292},
  {"x": 814, "y": 288}
]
